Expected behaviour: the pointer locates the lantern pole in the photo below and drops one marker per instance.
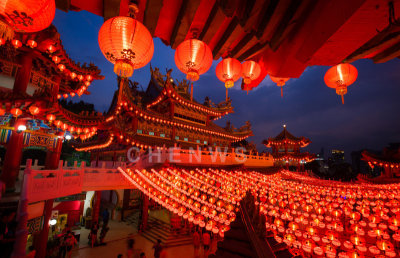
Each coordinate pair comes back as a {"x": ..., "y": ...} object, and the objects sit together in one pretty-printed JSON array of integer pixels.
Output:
[{"x": 342, "y": 98}]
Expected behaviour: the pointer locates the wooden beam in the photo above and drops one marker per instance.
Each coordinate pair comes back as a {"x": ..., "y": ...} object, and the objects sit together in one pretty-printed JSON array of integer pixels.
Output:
[
  {"x": 387, "y": 54},
  {"x": 266, "y": 16},
  {"x": 63, "y": 5},
  {"x": 228, "y": 32},
  {"x": 283, "y": 25},
  {"x": 151, "y": 14},
  {"x": 247, "y": 10},
  {"x": 384, "y": 39},
  {"x": 257, "y": 48},
  {"x": 210, "y": 19},
  {"x": 183, "y": 21},
  {"x": 242, "y": 43},
  {"x": 110, "y": 8}
]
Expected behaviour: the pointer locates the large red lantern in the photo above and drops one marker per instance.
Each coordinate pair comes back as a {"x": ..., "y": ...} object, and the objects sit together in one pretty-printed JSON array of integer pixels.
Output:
[
  {"x": 193, "y": 57},
  {"x": 250, "y": 71},
  {"x": 25, "y": 16},
  {"x": 280, "y": 81},
  {"x": 229, "y": 70},
  {"x": 34, "y": 110},
  {"x": 340, "y": 77},
  {"x": 126, "y": 43},
  {"x": 2, "y": 111},
  {"x": 50, "y": 117},
  {"x": 16, "y": 112}
]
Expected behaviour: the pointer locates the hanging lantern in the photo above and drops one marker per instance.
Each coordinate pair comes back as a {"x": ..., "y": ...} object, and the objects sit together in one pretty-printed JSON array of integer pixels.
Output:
[
  {"x": 25, "y": 16},
  {"x": 34, "y": 110},
  {"x": 61, "y": 67},
  {"x": 2, "y": 41},
  {"x": 193, "y": 57},
  {"x": 229, "y": 70},
  {"x": 89, "y": 77},
  {"x": 2, "y": 111},
  {"x": 50, "y": 117},
  {"x": 16, "y": 43},
  {"x": 340, "y": 77},
  {"x": 51, "y": 49},
  {"x": 72, "y": 75},
  {"x": 58, "y": 123},
  {"x": 78, "y": 130},
  {"x": 126, "y": 43},
  {"x": 16, "y": 112},
  {"x": 31, "y": 43},
  {"x": 64, "y": 127},
  {"x": 56, "y": 59},
  {"x": 250, "y": 71},
  {"x": 72, "y": 94},
  {"x": 65, "y": 95},
  {"x": 80, "y": 77},
  {"x": 87, "y": 83},
  {"x": 71, "y": 128},
  {"x": 58, "y": 96},
  {"x": 279, "y": 81}
]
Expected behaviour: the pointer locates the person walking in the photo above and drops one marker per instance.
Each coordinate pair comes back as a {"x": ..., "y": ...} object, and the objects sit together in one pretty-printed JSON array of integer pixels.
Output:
[{"x": 70, "y": 243}]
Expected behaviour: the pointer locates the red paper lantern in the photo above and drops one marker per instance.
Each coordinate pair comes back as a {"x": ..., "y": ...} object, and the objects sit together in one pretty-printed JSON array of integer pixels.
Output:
[
  {"x": 80, "y": 77},
  {"x": 229, "y": 70},
  {"x": 340, "y": 77},
  {"x": 87, "y": 83},
  {"x": 2, "y": 111},
  {"x": 279, "y": 81},
  {"x": 89, "y": 77},
  {"x": 16, "y": 112},
  {"x": 73, "y": 75},
  {"x": 61, "y": 67},
  {"x": 250, "y": 71},
  {"x": 71, "y": 128},
  {"x": 50, "y": 117},
  {"x": 34, "y": 110},
  {"x": 51, "y": 49},
  {"x": 193, "y": 57},
  {"x": 2, "y": 41},
  {"x": 72, "y": 94},
  {"x": 56, "y": 59},
  {"x": 16, "y": 43},
  {"x": 25, "y": 16},
  {"x": 57, "y": 123},
  {"x": 65, "y": 95},
  {"x": 78, "y": 130},
  {"x": 64, "y": 127},
  {"x": 31, "y": 43},
  {"x": 126, "y": 43}
]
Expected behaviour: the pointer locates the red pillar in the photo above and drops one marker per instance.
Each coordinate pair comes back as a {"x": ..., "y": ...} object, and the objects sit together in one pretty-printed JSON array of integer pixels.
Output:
[
  {"x": 13, "y": 157},
  {"x": 53, "y": 156},
  {"x": 40, "y": 240},
  {"x": 96, "y": 207},
  {"x": 23, "y": 73}
]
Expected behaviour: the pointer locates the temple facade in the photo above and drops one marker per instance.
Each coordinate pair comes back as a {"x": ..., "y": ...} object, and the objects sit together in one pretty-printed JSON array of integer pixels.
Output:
[{"x": 388, "y": 161}]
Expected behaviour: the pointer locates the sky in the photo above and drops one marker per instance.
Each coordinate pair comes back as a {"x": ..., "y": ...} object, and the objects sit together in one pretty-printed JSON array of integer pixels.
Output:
[{"x": 369, "y": 119}]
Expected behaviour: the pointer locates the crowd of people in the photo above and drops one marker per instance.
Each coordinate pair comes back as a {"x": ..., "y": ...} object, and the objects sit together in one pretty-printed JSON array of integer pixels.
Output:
[{"x": 202, "y": 238}]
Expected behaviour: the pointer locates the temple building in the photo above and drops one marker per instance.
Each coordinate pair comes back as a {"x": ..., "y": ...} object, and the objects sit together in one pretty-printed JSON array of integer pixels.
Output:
[
  {"x": 165, "y": 115},
  {"x": 388, "y": 161},
  {"x": 286, "y": 149}
]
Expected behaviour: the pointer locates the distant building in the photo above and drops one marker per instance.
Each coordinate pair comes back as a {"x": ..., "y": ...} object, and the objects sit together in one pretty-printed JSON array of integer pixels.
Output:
[{"x": 337, "y": 156}]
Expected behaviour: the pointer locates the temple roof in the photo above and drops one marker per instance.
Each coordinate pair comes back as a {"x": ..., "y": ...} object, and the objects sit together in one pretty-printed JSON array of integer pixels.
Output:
[
  {"x": 277, "y": 33},
  {"x": 286, "y": 137},
  {"x": 390, "y": 155}
]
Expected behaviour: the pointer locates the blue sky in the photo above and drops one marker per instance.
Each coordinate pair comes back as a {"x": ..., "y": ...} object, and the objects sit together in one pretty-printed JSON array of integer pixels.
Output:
[{"x": 369, "y": 118}]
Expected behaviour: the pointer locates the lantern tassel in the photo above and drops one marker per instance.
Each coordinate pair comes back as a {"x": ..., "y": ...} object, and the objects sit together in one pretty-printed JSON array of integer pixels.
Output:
[
  {"x": 191, "y": 92},
  {"x": 342, "y": 99},
  {"x": 281, "y": 92},
  {"x": 247, "y": 92},
  {"x": 226, "y": 97}
]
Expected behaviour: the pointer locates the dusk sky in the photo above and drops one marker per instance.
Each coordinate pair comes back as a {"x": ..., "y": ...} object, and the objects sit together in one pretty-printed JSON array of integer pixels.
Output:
[{"x": 369, "y": 118}]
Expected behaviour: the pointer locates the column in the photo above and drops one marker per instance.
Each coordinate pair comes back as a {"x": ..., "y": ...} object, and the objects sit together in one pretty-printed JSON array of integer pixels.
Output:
[
  {"x": 40, "y": 240},
  {"x": 13, "y": 157},
  {"x": 96, "y": 207},
  {"x": 23, "y": 74},
  {"x": 53, "y": 156}
]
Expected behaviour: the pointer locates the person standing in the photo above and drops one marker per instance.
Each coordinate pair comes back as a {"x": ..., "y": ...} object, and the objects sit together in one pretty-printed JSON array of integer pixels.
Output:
[
  {"x": 206, "y": 242},
  {"x": 196, "y": 243},
  {"x": 70, "y": 243},
  {"x": 93, "y": 234},
  {"x": 157, "y": 249}
]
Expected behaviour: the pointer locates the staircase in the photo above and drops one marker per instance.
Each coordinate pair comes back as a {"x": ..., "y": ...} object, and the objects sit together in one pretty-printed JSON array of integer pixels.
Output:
[{"x": 158, "y": 229}]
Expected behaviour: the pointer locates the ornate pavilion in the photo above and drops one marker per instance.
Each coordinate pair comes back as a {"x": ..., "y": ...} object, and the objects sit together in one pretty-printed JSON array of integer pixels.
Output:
[
  {"x": 282, "y": 213},
  {"x": 286, "y": 149}
]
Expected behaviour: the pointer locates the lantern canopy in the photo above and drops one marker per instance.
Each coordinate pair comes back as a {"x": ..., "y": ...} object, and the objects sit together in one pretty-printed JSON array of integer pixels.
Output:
[
  {"x": 193, "y": 57},
  {"x": 229, "y": 70},
  {"x": 340, "y": 77},
  {"x": 280, "y": 82},
  {"x": 250, "y": 71},
  {"x": 25, "y": 16},
  {"x": 126, "y": 43}
]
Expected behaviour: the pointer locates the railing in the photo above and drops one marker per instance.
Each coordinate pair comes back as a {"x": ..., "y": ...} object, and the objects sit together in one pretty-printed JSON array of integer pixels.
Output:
[
  {"x": 214, "y": 157},
  {"x": 64, "y": 181}
]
